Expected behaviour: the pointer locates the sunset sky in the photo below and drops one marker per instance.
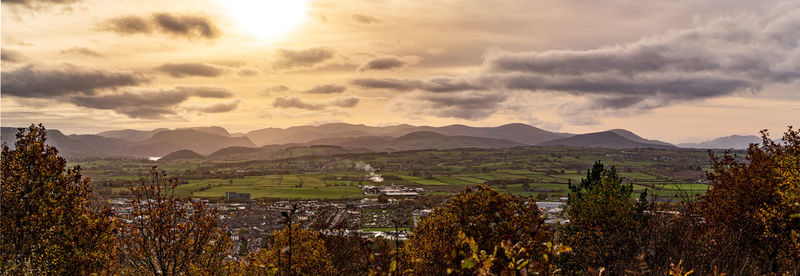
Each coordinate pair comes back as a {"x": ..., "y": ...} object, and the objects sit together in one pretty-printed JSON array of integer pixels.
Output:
[{"x": 678, "y": 70}]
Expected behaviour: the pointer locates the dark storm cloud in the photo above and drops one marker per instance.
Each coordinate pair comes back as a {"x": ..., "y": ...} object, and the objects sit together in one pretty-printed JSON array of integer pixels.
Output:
[
  {"x": 288, "y": 59},
  {"x": 382, "y": 63},
  {"x": 181, "y": 25},
  {"x": 326, "y": 89},
  {"x": 722, "y": 57},
  {"x": 293, "y": 102},
  {"x": 34, "y": 82},
  {"x": 180, "y": 70},
  {"x": 148, "y": 105},
  {"x": 81, "y": 51},
  {"x": 11, "y": 56},
  {"x": 437, "y": 84},
  {"x": 365, "y": 19}
]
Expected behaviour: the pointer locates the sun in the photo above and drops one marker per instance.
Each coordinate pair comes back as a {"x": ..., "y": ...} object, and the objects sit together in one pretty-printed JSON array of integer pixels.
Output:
[{"x": 267, "y": 19}]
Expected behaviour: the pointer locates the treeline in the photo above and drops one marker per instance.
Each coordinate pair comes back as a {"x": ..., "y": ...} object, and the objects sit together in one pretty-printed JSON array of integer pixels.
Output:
[{"x": 747, "y": 224}]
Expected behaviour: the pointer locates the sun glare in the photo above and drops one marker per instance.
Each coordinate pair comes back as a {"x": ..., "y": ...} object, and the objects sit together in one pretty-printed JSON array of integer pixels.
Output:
[{"x": 267, "y": 19}]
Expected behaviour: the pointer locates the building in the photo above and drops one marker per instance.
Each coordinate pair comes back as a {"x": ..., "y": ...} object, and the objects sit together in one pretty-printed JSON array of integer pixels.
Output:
[{"x": 237, "y": 196}]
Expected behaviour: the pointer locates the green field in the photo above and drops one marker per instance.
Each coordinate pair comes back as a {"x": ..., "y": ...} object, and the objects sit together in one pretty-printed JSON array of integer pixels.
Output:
[{"x": 546, "y": 169}]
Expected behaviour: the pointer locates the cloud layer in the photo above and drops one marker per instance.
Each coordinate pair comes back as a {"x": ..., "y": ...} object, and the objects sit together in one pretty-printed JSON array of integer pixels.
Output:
[
  {"x": 32, "y": 81},
  {"x": 294, "y": 102},
  {"x": 326, "y": 89},
  {"x": 289, "y": 59},
  {"x": 383, "y": 63},
  {"x": 180, "y": 70},
  {"x": 153, "y": 104},
  {"x": 722, "y": 57},
  {"x": 179, "y": 25}
]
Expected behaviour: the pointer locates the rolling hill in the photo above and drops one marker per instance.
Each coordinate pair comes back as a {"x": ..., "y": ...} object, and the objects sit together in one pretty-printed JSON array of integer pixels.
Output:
[
  {"x": 727, "y": 142},
  {"x": 417, "y": 141},
  {"x": 168, "y": 141},
  {"x": 520, "y": 133},
  {"x": 131, "y": 135},
  {"x": 181, "y": 155},
  {"x": 216, "y": 143},
  {"x": 605, "y": 139}
]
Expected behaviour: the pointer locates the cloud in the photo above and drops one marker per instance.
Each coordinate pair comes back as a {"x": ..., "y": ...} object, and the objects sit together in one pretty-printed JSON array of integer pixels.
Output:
[
  {"x": 724, "y": 56},
  {"x": 186, "y": 25},
  {"x": 82, "y": 51},
  {"x": 11, "y": 56},
  {"x": 436, "y": 84},
  {"x": 288, "y": 59},
  {"x": 219, "y": 108},
  {"x": 247, "y": 72},
  {"x": 150, "y": 104},
  {"x": 182, "y": 25},
  {"x": 345, "y": 102},
  {"x": 326, "y": 89},
  {"x": 128, "y": 25},
  {"x": 294, "y": 102},
  {"x": 269, "y": 90},
  {"x": 365, "y": 19},
  {"x": 386, "y": 83},
  {"x": 180, "y": 70},
  {"x": 35, "y": 82},
  {"x": 36, "y": 5},
  {"x": 383, "y": 63},
  {"x": 469, "y": 105}
]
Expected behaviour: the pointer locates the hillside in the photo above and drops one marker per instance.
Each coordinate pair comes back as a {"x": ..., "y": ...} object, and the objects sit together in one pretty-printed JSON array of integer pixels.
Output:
[
  {"x": 63, "y": 143},
  {"x": 520, "y": 133},
  {"x": 636, "y": 138},
  {"x": 131, "y": 135},
  {"x": 181, "y": 155},
  {"x": 605, "y": 139},
  {"x": 241, "y": 154},
  {"x": 727, "y": 142},
  {"x": 168, "y": 141},
  {"x": 418, "y": 141}
]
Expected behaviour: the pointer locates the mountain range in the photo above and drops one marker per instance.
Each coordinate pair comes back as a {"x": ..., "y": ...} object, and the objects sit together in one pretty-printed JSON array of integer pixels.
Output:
[
  {"x": 727, "y": 142},
  {"x": 269, "y": 143}
]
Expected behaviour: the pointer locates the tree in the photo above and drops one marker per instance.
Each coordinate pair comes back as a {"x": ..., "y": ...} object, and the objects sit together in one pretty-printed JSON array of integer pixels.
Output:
[
  {"x": 167, "y": 235},
  {"x": 750, "y": 214},
  {"x": 484, "y": 215},
  {"x": 308, "y": 251},
  {"x": 49, "y": 224},
  {"x": 604, "y": 223}
]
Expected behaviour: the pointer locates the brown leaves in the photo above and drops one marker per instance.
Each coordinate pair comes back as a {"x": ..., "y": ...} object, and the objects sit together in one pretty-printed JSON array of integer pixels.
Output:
[
  {"x": 169, "y": 235},
  {"x": 48, "y": 223}
]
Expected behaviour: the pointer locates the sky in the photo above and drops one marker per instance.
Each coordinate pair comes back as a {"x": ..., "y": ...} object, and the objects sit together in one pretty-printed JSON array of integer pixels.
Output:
[{"x": 678, "y": 71}]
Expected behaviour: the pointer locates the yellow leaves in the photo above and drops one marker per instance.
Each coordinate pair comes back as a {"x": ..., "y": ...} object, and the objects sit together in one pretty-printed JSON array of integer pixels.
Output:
[{"x": 676, "y": 270}]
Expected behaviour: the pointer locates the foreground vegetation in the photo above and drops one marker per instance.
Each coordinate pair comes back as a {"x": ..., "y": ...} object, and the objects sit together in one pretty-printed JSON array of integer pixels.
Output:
[{"x": 748, "y": 223}]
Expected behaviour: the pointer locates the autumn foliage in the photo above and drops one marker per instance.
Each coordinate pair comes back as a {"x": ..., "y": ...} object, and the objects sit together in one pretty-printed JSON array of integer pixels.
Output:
[
  {"x": 485, "y": 216},
  {"x": 49, "y": 223},
  {"x": 748, "y": 223},
  {"x": 751, "y": 215},
  {"x": 167, "y": 235}
]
